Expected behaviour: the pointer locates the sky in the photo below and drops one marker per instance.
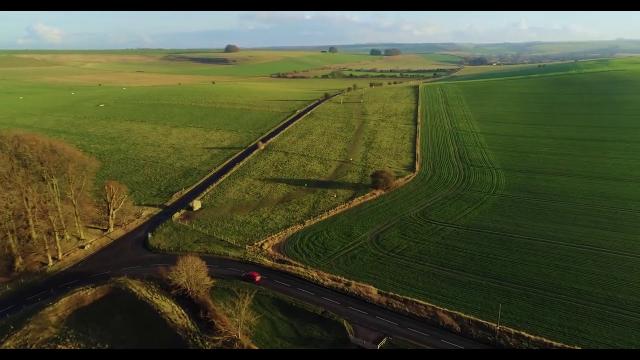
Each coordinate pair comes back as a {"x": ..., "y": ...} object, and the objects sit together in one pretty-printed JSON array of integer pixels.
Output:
[{"x": 184, "y": 29}]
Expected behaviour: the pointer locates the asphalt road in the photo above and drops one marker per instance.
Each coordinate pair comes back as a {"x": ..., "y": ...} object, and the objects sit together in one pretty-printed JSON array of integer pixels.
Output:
[{"x": 129, "y": 256}]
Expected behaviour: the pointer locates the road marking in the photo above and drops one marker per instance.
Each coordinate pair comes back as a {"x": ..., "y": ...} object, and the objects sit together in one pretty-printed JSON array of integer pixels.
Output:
[
  {"x": 5, "y": 309},
  {"x": 212, "y": 266},
  {"x": 333, "y": 301},
  {"x": 307, "y": 291},
  {"x": 132, "y": 267},
  {"x": 389, "y": 321},
  {"x": 38, "y": 294},
  {"x": 234, "y": 269},
  {"x": 352, "y": 308},
  {"x": 280, "y": 282},
  {"x": 419, "y": 332},
  {"x": 69, "y": 283},
  {"x": 445, "y": 341},
  {"x": 102, "y": 273}
]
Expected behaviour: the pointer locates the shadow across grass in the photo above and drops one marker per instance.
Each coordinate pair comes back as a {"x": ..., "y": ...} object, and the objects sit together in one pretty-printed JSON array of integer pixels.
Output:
[
  {"x": 319, "y": 184},
  {"x": 223, "y": 147}
]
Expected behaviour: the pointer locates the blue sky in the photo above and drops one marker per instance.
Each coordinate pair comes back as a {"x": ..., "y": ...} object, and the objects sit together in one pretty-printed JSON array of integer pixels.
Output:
[{"x": 109, "y": 30}]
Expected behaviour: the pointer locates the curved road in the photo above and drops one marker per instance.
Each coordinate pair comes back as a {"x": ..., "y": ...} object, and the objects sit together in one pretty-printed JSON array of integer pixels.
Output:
[{"x": 129, "y": 256}]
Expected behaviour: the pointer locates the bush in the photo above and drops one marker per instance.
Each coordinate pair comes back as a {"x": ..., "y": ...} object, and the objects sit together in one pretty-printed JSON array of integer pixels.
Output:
[
  {"x": 231, "y": 48},
  {"x": 327, "y": 95},
  {"x": 382, "y": 180},
  {"x": 333, "y": 49},
  {"x": 392, "y": 52}
]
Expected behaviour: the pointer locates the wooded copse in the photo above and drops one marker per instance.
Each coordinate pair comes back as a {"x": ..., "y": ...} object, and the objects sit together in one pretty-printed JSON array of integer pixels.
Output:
[{"x": 46, "y": 201}]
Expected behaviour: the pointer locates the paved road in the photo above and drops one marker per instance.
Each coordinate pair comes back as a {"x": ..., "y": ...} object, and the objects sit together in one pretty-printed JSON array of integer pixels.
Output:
[{"x": 129, "y": 256}]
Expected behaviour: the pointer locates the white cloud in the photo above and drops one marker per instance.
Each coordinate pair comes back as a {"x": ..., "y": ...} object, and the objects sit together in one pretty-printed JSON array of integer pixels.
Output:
[{"x": 41, "y": 33}]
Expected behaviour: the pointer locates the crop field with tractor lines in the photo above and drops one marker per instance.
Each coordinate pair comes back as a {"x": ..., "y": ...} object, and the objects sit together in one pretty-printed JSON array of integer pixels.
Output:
[{"x": 526, "y": 198}]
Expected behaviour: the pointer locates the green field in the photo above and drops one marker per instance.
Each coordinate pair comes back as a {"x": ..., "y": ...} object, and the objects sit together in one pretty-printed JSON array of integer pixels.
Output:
[
  {"x": 284, "y": 323},
  {"x": 157, "y": 132},
  {"x": 527, "y": 197},
  {"x": 489, "y": 72},
  {"x": 319, "y": 163}
]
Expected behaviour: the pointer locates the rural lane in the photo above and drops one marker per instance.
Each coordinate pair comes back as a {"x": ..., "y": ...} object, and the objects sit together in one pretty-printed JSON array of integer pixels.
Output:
[{"x": 128, "y": 255}]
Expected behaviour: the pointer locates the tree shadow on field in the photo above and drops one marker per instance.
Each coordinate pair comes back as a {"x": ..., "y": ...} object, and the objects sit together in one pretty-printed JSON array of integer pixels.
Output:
[
  {"x": 298, "y": 100},
  {"x": 319, "y": 184},
  {"x": 223, "y": 147}
]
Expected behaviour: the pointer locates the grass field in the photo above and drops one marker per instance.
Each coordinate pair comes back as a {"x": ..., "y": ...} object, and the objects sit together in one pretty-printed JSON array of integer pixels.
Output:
[
  {"x": 102, "y": 316},
  {"x": 157, "y": 132},
  {"x": 285, "y": 323},
  {"x": 321, "y": 162},
  {"x": 119, "y": 321},
  {"x": 527, "y": 197}
]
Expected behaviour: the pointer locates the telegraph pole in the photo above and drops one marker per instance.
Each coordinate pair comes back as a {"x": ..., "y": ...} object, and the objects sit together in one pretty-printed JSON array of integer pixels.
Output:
[{"x": 498, "y": 323}]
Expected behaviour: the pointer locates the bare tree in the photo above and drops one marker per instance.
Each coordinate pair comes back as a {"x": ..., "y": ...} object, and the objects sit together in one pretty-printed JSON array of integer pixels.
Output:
[
  {"x": 10, "y": 232},
  {"x": 53, "y": 227},
  {"x": 53, "y": 191},
  {"x": 80, "y": 175},
  {"x": 75, "y": 190},
  {"x": 190, "y": 276},
  {"x": 243, "y": 317},
  {"x": 115, "y": 198},
  {"x": 35, "y": 173},
  {"x": 43, "y": 236}
]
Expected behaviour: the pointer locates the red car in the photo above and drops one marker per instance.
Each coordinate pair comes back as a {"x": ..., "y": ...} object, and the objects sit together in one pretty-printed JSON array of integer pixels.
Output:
[{"x": 252, "y": 276}]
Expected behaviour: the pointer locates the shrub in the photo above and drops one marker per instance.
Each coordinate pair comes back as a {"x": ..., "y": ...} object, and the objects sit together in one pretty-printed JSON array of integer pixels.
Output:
[
  {"x": 392, "y": 52},
  {"x": 231, "y": 48},
  {"x": 382, "y": 180}
]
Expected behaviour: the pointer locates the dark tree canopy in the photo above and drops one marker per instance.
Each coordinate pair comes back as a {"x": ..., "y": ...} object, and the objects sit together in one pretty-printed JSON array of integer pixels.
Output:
[
  {"x": 392, "y": 52},
  {"x": 480, "y": 60},
  {"x": 231, "y": 48},
  {"x": 333, "y": 49},
  {"x": 375, "y": 52},
  {"x": 382, "y": 180}
]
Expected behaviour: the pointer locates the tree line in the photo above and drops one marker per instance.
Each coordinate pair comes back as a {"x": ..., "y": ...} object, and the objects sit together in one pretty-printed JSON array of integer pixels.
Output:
[
  {"x": 48, "y": 197},
  {"x": 386, "y": 52}
]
